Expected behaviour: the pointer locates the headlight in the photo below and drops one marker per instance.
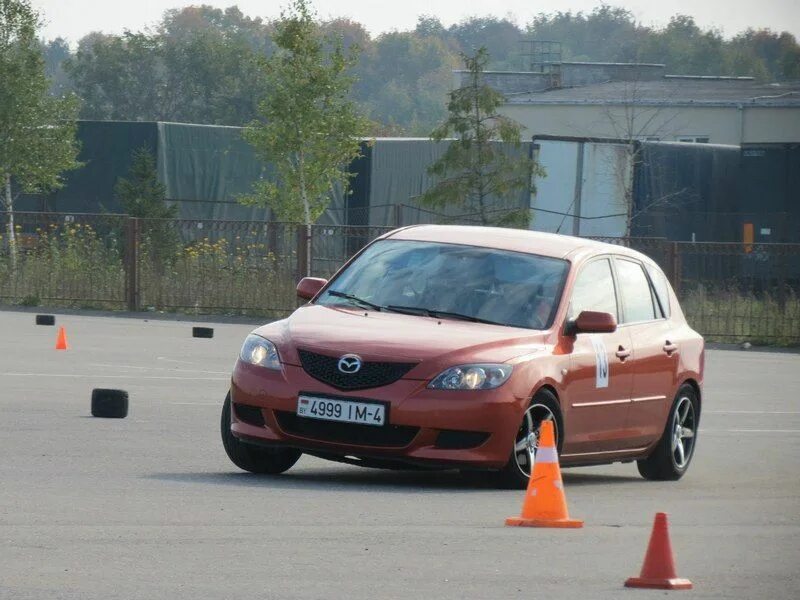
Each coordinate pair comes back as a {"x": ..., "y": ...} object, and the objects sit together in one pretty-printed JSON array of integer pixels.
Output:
[
  {"x": 472, "y": 377},
  {"x": 258, "y": 351}
]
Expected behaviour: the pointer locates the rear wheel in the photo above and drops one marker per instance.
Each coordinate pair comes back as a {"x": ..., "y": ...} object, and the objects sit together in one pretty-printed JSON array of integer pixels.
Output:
[
  {"x": 264, "y": 461},
  {"x": 671, "y": 457},
  {"x": 543, "y": 407}
]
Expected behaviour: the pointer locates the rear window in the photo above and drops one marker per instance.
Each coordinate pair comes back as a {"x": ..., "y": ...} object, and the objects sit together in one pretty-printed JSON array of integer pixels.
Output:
[
  {"x": 661, "y": 287},
  {"x": 637, "y": 300}
]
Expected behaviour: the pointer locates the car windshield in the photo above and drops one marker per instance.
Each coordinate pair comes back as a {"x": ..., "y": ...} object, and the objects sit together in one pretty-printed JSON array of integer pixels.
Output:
[{"x": 453, "y": 282}]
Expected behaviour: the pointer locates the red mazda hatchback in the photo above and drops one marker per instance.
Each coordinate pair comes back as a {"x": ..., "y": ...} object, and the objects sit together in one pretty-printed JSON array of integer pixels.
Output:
[{"x": 447, "y": 346}]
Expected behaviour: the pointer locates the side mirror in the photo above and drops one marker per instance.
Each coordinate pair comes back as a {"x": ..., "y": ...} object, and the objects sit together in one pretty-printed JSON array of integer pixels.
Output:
[
  {"x": 590, "y": 321},
  {"x": 310, "y": 287}
]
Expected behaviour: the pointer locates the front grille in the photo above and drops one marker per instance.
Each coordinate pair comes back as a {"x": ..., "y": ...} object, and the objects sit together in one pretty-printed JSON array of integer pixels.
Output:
[
  {"x": 371, "y": 374},
  {"x": 346, "y": 433},
  {"x": 251, "y": 415}
]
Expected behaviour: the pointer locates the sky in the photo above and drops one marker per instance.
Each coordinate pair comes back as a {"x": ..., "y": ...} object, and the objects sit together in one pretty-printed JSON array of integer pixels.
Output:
[{"x": 72, "y": 19}]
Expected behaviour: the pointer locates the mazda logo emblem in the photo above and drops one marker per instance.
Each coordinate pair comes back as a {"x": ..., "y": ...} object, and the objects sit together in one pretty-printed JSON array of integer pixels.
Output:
[{"x": 349, "y": 363}]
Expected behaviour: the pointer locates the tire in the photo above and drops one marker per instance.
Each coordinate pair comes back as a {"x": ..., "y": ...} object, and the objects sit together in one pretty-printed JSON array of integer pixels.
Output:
[
  {"x": 668, "y": 462},
  {"x": 248, "y": 457},
  {"x": 544, "y": 404},
  {"x": 45, "y": 319},
  {"x": 202, "y": 332},
  {"x": 109, "y": 404}
]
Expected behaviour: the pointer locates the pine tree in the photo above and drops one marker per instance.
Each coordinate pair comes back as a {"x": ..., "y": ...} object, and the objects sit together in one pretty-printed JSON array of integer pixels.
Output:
[{"x": 475, "y": 167}]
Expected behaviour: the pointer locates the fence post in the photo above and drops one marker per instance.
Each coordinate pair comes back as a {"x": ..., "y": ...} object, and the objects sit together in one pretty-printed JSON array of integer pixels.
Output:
[
  {"x": 398, "y": 215},
  {"x": 302, "y": 251},
  {"x": 131, "y": 263},
  {"x": 675, "y": 268}
]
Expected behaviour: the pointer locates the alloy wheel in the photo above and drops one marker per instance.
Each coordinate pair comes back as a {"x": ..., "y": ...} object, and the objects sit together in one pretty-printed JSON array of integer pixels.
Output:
[
  {"x": 683, "y": 432},
  {"x": 527, "y": 440}
]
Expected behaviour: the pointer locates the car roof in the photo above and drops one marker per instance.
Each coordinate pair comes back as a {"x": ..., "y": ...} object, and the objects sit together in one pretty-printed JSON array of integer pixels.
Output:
[{"x": 515, "y": 240}]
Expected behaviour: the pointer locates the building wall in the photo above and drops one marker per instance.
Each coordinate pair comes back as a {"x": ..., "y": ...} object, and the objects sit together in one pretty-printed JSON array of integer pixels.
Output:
[
  {"x": 771, "y": 125},
  {"x": 722, "y": 125}
]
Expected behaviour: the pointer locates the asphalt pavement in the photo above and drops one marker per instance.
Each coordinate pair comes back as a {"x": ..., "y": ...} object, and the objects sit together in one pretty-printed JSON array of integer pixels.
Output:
[{"x": 150, "y": 507}]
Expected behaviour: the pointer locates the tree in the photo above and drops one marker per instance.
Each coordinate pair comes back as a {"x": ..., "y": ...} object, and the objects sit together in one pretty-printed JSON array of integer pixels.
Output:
[
  {"x": 475, "y": 167},
  {"x": 198, "y": 66},
  {"x": 142, "y": 195},
  {"x": 500, "y": 37},
  {"x": 308, "y": 129},
  {"x": 56, "y": 52},
  {"x": 37, "y": 131}
]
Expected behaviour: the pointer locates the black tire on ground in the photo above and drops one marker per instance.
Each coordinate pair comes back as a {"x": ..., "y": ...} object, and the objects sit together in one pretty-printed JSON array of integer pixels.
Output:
[
  {"x": 511, "y": 476},
  {"x": 45, "y": 319},
  {"x": 202, "y": 332},
  {"x": 664, "y": 463},
  {"x": 255, "y": 459},
  {"x": 110, "y": 404}
]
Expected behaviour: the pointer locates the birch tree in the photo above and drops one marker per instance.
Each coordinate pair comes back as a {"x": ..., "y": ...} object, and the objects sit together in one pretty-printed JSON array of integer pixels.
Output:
[
  {"x": 307, "y": 128},
  {"x": 37, "y": 131}
]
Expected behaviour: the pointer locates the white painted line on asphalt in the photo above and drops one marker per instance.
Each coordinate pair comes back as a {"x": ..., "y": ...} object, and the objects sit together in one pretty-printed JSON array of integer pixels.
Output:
[
  {"x": 751, "y": 412},
  {"x": 131, "y": 376},
  {"x": 196, "y": 404},
  {"x": 183, "y": 362},
  {"x": 160, "y": 369},
  {"x": 750, "y": 431}
]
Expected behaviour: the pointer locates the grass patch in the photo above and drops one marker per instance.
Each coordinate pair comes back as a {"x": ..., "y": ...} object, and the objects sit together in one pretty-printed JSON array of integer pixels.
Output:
[{"x": 731, "y": 315}]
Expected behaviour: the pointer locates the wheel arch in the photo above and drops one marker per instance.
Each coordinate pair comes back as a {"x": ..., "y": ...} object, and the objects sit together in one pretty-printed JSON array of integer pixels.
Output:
[
  {"x": 696, "y": 387},
  {"x": 562, "y": 433}
]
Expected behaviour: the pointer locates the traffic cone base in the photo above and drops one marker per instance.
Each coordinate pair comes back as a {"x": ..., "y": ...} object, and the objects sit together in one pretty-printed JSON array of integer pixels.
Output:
[
  {"x": 658, "y": 570},
  {"x": 659, "y": 584},
  {"x": 545, "y": 504},
  {"x": 556, "y": 523}
]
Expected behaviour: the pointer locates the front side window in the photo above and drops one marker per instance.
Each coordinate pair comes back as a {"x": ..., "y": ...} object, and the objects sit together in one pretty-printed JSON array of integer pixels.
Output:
[
  {"x": 634, "y": 288},
  {"x": 452, "y": 281},
  {"x": 594, "y": 290}
]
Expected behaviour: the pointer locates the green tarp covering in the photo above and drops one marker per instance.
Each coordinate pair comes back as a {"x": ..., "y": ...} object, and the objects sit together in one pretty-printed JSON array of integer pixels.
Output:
[
  {"x": 205, "y": 169},
  {"x": 106, "y": 151}
]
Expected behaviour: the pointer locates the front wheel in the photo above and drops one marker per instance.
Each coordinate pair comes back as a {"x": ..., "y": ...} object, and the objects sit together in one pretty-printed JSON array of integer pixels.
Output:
[
  {"x": 671, "y": 457},
  {"x": 543, "y": 407},
  {"x": 263, "y": 461}
]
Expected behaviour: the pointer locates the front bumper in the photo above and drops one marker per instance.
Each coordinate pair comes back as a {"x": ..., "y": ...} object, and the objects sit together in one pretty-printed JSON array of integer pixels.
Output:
[{"x": 435, "y": 428}]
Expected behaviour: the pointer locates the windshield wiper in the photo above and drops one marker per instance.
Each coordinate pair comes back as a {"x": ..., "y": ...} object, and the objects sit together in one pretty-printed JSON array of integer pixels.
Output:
[
  {"x": 426, "y": 312},
  {"x": 455, "y": 315},
  {"x": 356, "y": 299},
  {"x": 409, "y": 310}
]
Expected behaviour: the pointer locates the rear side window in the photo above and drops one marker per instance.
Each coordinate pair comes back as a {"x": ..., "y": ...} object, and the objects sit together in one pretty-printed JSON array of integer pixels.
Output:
[
  {"x": 594, "y": 290},
  {"x": 634, "y": 288},
  {"x": 660, "y": 286}
]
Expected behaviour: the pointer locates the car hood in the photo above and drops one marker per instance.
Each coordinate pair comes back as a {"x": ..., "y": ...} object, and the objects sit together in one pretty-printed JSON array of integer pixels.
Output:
[{"x": 382, "y": 336}]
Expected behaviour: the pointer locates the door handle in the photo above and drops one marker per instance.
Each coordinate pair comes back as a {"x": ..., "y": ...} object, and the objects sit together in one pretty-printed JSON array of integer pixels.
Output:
[
  {"x": 622, "y": 353},
  {"x": 669, "y": 348}
]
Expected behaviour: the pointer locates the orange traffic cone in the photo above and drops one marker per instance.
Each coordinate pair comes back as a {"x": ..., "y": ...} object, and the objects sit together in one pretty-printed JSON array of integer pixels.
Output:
[
  {"x": 545, "y": 504},
  {"x": 658, "y": 570},
  {"x": 61, "y": 340}
]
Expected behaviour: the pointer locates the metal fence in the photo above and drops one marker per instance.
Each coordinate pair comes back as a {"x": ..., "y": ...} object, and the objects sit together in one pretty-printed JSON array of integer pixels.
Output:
[{"x": 729, "y": 291}]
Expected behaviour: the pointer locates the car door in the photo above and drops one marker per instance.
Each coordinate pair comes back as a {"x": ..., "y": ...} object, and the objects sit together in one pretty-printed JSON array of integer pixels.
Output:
[
  {"x": 654, "y": 345},
  {"x": 598, "y": 381}
]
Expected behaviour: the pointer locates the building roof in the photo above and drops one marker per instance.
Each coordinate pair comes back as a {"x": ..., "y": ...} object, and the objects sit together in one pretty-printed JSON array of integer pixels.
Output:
[{"x": 671, "y": 91}]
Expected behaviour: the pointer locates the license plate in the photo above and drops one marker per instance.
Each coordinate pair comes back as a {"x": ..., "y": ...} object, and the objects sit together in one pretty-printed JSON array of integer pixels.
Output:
[{"x": 348, "y": 411}]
